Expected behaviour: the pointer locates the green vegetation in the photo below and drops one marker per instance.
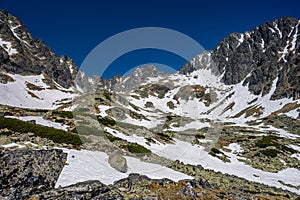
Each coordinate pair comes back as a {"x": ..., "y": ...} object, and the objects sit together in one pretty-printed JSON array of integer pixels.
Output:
[
  {"x": 84, "y": 114},
  {"x": 59, "y": 120},
  {"x": 270, "y": 140},
  {"x": 169, "y": 117},
  {"x": 107, "y": 121},
  {"x": 165, "y": 135},
  {"x": 136, "y": 115},
  {"x": 270, "y": 152},
  {"x": 33, "y": 110},
  {"x": 149, "y": 104},
  {"x": 267, "y": 141},
  {"x": 136, "y": 148},
  {"x": 170, "y": 104},
  {"x": 285, "y": 122},
  {"x": 87, "y": 130},
  {"x": 127, "y": 125},
  {"x": 6, "y": 132},
  {"x": 216, "y": 151},
  {"x": 199, "y": 136},
  {"x": 56, "y": 135},
  {"x": 64, "y": 114},
  {"x": 112, "y": 138},
  {"x": 134, "y": 107},
  {"x": 107, "y": 95}
]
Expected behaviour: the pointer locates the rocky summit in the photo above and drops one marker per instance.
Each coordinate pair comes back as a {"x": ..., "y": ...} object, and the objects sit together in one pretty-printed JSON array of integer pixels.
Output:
[
  {"x": 226, "y": 126},
  {"x": 257, "y": 58}
]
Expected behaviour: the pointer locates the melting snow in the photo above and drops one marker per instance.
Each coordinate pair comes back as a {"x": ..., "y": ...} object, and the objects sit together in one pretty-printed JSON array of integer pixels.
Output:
[
  {"x": 297, "y": 155},
  {"x": 297, "y": 148},
  {"x": 279, "y": 32},
  {"x": 241, "y": 40},
  {"x": 293, "y": 114},
  {"x": 8, "y": 47},
  {"x": 273, "y": 31},
  {"x": 295, "y": 39},
  {"x": 41, "y": 121},
  {"x": 235, "y": 148},
  {"x": 16, "y": 93},
  {"x": 93, "y": 165},
  {"x": 196, "y": 155},
  {"x": 103, "y": 110},
  {"x": 263, "y": 45},
  {"x": 11, "y": 145}
]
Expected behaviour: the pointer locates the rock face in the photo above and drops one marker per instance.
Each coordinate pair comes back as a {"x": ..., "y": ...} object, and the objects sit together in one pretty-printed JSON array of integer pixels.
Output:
[
  {"x": 84, "y": 190},
  {"x": 117, "y": 161},
  {"x": 137, "y": 186},
  {"x": 32, "y": 174},
  {"x": 258, "y": 57},
  {"x": 22, "y": 54},
  {"x": 27, "y": 172},
  {"x": 131, "y": 82}
]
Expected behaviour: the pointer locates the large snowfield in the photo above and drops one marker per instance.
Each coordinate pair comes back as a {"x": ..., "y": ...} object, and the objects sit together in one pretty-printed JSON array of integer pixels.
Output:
[
  {"x": 93, "y": 165},
  {"x": 18, "y": 94}
]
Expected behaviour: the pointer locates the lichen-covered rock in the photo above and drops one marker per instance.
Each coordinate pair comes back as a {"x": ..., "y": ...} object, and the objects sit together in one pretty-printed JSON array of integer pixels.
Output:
[
  {"x": 117, "y": 161},
  {"x": 257, "y": 57},
  {"x": 84, "y": 190},
  {"x": 27, "y": 172}
]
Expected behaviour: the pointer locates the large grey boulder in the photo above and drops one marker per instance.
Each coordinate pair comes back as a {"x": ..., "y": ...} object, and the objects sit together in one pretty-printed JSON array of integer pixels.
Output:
[{"x": 117, "y": 161}]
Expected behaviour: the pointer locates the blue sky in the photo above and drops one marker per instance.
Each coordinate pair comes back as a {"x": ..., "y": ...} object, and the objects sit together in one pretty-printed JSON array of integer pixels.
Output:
[{"x": 74, "y": 28}]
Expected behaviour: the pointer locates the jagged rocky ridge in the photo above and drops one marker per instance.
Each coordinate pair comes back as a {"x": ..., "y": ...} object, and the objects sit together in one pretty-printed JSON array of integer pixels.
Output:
[
  {"x": 20, "y": 53},
  {"x": 257, "y": 58},
  {"x": 30, "y": 174},
  {"x": 119, "y": 84}
]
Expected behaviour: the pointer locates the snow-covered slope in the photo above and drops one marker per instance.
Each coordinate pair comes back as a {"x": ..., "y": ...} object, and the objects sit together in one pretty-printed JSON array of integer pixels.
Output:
[
  {"x": 32, "y": 92},
  {"x": 92, "y": 165}
]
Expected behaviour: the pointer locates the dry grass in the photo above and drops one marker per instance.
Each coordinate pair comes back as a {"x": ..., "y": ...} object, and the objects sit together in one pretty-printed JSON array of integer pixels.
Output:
[
  {"x": 33, "y": 95},
  {"x": 31, "y": 86},
  {"x": 255, "y": 111},
  {"x": 286, "y": 108}
]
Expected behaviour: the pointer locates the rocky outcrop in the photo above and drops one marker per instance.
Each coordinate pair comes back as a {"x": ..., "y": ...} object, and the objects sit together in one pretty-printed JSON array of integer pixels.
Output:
[
  {"x": 137, "y": 186},
  {"x": 258, "y": 57},
  {"x": 85, "y": 190},
  {"x": 125, "y": 84},
  {"x": 32, "y": 174},
  {"x": 117, "y": 161},
  {"x": 27, "y": 172},
  {"x": 22, "y": 54}
]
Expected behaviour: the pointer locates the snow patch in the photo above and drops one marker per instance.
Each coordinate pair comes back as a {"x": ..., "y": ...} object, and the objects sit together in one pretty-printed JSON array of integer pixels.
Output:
[
  {"x": 39, "y": 120},
  {"x": 16, "y": 93},
  {"x": 276, "y": 27},
  {"x": 93, "y": 165},
  {"x": 8, "y": 47}
]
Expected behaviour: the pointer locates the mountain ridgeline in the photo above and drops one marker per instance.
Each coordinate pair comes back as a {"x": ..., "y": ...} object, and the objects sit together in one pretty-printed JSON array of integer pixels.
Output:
[
  {"x": 229, "y": 120},
  {"x": 257, "y": 57},
  {"x": 20, "y": 53}
]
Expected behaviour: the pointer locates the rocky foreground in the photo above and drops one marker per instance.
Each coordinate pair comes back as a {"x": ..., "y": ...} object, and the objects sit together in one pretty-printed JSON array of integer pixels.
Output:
[{"x": 32, "y": 174}]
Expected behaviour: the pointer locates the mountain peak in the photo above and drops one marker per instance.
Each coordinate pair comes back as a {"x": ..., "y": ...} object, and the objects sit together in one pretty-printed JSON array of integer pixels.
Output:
[
  {"x": 22, "y": 54},
  {"x": 257, "y": 58}
]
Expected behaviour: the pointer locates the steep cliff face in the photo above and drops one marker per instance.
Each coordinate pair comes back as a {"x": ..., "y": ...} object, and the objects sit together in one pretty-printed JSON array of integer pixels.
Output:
[
  {"x": 22, "y": 54},
  {"x": 257, "y": 58}
]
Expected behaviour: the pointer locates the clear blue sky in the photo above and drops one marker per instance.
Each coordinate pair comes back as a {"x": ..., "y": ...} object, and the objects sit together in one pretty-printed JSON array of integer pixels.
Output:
[{"x": 74, "y": 28}]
